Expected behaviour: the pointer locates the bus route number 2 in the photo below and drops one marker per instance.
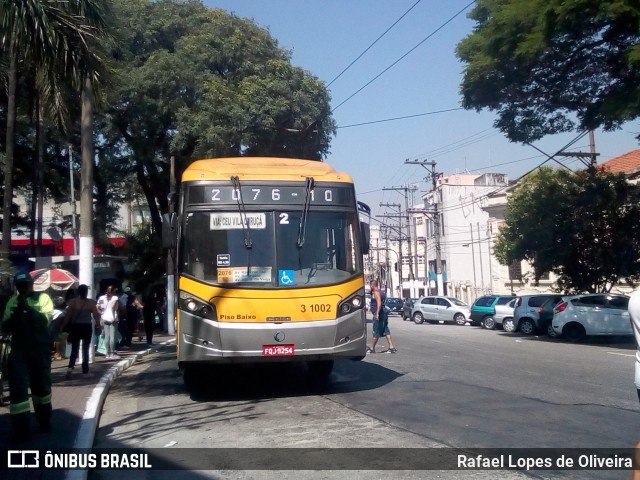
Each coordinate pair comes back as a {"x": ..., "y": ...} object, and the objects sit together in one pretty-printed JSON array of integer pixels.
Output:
[{"x": 316, "y": 308}]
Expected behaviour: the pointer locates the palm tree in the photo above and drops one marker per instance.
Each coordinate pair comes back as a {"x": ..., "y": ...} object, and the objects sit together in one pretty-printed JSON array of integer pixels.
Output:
[{"x": 54, "y": 36}]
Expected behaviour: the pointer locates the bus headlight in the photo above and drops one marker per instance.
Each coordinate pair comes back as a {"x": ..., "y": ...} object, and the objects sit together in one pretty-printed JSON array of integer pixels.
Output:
[
  {"x": 191, "y": 305},
  {"x": 196, "y": 306},
  {"x": 350, "y": 304}
]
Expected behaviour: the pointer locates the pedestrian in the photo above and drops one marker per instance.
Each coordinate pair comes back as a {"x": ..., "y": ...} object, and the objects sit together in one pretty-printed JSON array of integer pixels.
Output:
[
  {"x": 149, "y": 315},
  {"x": 123, "y": 325},
  {"x": 79, "y": 316},
  {"x": 58, "y": 336},
  {"x": 634, "y": 313},
  {"x": 133, "y": 316},
  {"x": 108, "y": 305},
  {"x": 380, "y": 319},
  {"x": 26, "y": 317}
]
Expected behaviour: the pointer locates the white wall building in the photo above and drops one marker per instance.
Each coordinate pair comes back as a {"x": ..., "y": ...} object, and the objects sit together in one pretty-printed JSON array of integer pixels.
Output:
[
  {"x": 465, "y": 235},
  {"x": 401, "y": 274}
]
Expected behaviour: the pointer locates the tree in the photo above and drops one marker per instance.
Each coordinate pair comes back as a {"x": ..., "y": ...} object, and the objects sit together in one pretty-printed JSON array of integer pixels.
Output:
[
  {"x": 550, "y": 66},
  {"x": 194, "y": 82},
  {"x": 584, "y": 227},
  {"x": 47, "y": 35}
]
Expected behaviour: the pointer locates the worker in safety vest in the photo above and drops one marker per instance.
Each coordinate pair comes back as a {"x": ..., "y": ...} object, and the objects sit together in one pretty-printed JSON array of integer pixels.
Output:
[{"x": 26, "y": 318}]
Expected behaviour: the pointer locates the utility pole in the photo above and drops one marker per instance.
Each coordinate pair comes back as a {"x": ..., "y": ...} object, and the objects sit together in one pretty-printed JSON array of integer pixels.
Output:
[
  {"x": 415, "y": 248},
  {"x": 397, "y": 207},
  {"x": 171, "y": 263},
  {"x": 588, "y": 158},
  {"x": 72, "y": 198},
  {"x": 473, "y": 260},
  {"x": 480, "y": 256},
  {"x": 405, "y": 189},
  {"x": 436, "y": 220},
  {"x": 386, "y": 257}
]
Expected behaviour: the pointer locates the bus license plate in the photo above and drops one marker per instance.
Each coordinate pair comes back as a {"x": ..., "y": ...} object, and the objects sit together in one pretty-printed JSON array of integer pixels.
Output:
[{"x": 277, "y": 350}]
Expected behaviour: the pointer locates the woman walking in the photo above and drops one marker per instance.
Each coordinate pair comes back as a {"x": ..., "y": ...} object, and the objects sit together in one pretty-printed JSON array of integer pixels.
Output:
[
  {"x": 108, "y": 305},
  {"x": 78, "y": 320}
]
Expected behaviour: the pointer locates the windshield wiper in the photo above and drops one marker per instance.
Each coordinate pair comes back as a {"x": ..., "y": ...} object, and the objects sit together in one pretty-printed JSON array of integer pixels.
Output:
[
  {"x": 305, "y": 212},
  {"x": 243, "y": 213},
  {"x": 248, "y": 244}
]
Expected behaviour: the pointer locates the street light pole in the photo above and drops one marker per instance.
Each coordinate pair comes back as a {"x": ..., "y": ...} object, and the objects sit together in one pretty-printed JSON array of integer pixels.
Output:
[
  {"x": 473, "y": 259},
  {"x": 480, "y": 257}
]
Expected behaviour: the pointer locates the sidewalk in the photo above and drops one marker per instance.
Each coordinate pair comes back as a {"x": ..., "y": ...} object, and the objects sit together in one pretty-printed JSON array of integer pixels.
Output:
[{"x": 77, "y": 403}]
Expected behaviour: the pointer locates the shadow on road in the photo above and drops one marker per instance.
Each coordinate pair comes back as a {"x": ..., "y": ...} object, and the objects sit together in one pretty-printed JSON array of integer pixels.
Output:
[{"x": 257, "y": 381}]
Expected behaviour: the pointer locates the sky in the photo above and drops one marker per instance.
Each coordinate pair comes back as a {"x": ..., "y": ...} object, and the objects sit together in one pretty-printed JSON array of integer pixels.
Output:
[{"x": 412, "y": 71}]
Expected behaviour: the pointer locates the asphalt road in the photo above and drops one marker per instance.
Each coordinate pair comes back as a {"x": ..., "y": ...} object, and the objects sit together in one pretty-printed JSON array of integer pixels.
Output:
[{"x": 448, "y": 386}]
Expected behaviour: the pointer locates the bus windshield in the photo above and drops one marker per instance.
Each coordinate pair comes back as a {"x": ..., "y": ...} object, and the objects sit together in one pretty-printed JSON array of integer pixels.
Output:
[{"x": 213, "y": 248}]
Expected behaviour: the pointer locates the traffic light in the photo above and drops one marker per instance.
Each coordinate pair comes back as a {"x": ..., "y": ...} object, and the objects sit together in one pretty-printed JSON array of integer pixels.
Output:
[{"x": 395, "y": 266}]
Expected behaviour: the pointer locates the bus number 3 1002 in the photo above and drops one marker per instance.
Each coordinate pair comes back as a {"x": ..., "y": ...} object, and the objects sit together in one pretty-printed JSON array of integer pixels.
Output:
[{"x": 316, "y": 308}]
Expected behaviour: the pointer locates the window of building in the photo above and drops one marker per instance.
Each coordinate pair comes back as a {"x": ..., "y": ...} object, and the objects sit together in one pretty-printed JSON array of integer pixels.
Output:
[{"x": 515, "y": 271}]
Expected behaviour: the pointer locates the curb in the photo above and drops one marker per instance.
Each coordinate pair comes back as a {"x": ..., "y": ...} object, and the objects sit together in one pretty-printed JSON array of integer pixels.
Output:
[{"x": 89, "y": 422}]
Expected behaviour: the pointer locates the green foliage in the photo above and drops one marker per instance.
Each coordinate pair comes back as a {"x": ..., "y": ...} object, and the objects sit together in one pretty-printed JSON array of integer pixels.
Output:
[
  {"x": 550, "y": 66},
  {"x": 584, "y": 227},
  {"x": 192, "y": 82},
  {"x": 144, "y": 250},
  {"x": 184, "y": 81}
]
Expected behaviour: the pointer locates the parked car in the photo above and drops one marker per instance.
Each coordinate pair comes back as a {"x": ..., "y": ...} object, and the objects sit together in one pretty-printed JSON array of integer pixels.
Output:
[
  {"x": 435, "y": 309},
  {"x": 407, "y": 306},
  {"x": 545, "y": 315},
  {"x": 594, "y": 314},
  {"x": 394, "y": 305},
  {"x": 490, "y": 310},
  {"x": 526, "y": 314}
]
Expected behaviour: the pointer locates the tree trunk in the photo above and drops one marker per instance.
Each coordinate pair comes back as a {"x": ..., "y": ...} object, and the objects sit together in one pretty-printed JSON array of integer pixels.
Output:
[
  {"x": 40, "y": 175},
  {"x": 7, "y": 200},
  {"x": 86, "y": 188},
  {"x": 33, "y": 212}
]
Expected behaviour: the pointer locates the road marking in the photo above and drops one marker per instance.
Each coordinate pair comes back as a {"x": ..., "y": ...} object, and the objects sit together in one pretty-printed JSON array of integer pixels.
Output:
[{"x": 621, "y": 354}]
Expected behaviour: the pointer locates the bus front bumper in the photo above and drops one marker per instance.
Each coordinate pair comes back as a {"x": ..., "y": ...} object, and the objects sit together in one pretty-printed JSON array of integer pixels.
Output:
[{"x": 208, "y": 341}]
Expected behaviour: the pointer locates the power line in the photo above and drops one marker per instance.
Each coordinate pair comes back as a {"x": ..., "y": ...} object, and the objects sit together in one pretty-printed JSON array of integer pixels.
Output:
[
  {"x": 402, "y": 57},
  {"x": 499, "y": 189},
  {"x": 375, "y": 41},
  {"x": 400, "y": 118}
]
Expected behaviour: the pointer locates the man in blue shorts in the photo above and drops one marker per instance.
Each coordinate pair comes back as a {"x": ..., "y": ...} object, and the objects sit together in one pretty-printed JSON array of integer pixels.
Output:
[{"x": 380, "y": 319}]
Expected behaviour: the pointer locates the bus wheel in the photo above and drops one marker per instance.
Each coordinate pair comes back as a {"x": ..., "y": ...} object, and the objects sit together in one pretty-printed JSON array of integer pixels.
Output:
[{"x": 320, "y": 369}]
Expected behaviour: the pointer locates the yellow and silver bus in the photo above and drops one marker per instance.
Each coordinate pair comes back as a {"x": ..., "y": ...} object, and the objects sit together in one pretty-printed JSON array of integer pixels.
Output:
[{"x": 269, "y": 264}]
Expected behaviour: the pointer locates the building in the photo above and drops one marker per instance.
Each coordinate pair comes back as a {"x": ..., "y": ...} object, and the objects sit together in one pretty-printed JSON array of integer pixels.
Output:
[
  {"x": 457, "y": 224},
  {"x": 518, "y": 278},
  {"x": 59, "y": 239}
]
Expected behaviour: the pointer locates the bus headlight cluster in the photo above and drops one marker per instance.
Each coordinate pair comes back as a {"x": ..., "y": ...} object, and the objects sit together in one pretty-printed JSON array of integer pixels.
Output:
[
  {"x": 197, "y": 307},
  {"x": 350, "y": 304}
]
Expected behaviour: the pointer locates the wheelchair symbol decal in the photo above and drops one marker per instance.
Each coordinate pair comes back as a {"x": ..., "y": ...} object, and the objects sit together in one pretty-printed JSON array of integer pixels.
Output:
[{"x": 286, "y": 277}]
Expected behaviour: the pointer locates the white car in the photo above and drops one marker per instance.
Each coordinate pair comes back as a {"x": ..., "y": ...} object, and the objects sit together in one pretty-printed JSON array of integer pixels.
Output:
[
  {"x": 593, "y": 314},
  {"x": 437, "y": 309}
]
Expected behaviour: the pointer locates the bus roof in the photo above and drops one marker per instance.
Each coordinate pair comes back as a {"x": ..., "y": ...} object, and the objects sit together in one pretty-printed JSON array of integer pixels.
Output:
[{"x": 261, "y": 168}]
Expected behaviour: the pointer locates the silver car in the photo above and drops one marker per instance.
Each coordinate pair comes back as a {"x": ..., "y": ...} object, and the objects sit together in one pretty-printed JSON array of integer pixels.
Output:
[
  {"x": 526, "y": 314},
  {"x": 595, "y": 314},
  {"x": 436, "y": 309}
]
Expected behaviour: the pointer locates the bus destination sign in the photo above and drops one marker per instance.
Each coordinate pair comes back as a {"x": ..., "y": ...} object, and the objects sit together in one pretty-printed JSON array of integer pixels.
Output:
[{"x": 269, "y": 195}]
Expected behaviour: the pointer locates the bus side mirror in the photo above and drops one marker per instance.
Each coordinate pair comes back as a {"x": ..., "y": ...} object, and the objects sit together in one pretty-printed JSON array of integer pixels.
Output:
[
  {"x": 169, "y": 230},
  {"x": 366, "y": 235}
]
